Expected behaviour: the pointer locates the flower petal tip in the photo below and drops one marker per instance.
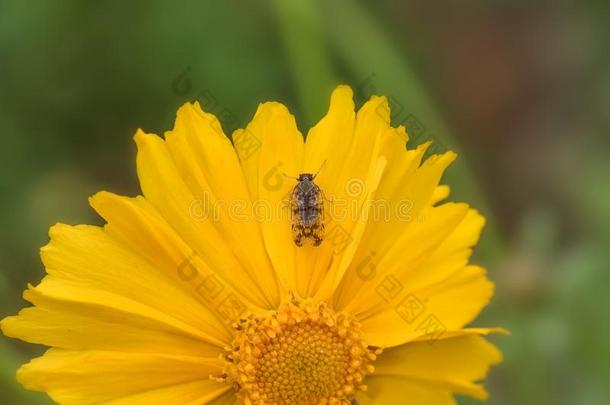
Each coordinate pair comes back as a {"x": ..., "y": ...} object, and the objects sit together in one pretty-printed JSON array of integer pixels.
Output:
[
  {"x": 342, "y": 91},
  {"x": 141, "y": 138}
]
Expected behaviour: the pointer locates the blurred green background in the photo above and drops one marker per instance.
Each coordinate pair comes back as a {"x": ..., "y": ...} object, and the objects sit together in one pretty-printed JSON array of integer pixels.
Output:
[{"x": 520, "y": 89}]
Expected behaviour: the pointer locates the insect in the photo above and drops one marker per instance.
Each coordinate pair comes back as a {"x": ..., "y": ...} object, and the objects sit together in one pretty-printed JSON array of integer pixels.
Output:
[{"x": 307, "y": 207}]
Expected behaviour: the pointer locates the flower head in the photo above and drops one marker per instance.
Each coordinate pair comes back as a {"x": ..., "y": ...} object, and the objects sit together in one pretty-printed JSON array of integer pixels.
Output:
[{"x": 198, "y": 292}]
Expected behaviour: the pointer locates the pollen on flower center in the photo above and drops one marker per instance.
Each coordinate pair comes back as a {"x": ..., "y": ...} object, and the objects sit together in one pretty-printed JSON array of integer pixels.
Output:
[{"x": 304, "y": 353}]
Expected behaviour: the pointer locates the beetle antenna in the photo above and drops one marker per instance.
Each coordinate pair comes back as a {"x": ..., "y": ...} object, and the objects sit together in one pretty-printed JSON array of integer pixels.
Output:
[
  {"x": 290, "y": 177},
  {"x": 320, "y": 169}
]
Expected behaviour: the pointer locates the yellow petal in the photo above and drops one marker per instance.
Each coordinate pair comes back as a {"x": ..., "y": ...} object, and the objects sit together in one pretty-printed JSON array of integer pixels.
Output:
[
  {"x": 427, "y": 312},
  {"x": 465, "y": 332},
  {"x": 385, "y": 390},
  {"x": 349, "y": 199},
  {"x": 417, "y": 243},
  {"x": 92, "y": 377},
  {"x": 328, "y": 144},
  {"x": 342, "y": 259},
  {"x": 69, "y": 326},
  {"x": 280, "y": 153},
  {"x": 416, "y": 279},
  {"x": 165, "y": 189},
  {"x": 229, "y": 398},
  {"x": 440, "y": 193},
  {"x": 402, "y": 228},
  {"x": 100, "y": 294},
  {"x": 453, "y": 364},
  {"x": 201, "y": 151},
  {"x": 329, "y": 141},
  {"x": 135, "y": 223},
  {"x": 89, "y": 268},
  {"x": 86, "y": 257},
  {"x": 191, "y": 393}
]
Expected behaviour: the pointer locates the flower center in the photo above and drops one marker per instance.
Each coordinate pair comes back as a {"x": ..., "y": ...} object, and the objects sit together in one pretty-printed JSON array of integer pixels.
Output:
[{"x": 301, "y": 354}]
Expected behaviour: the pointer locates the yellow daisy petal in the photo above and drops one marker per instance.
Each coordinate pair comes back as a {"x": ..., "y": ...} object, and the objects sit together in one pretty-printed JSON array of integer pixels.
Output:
[
  {"x": 453, "y": 364},
  {"x": 136, "y": 223},
  {"x": 328, "y": 143},
  {"x": 87, "y": 258},
  {"x": 87, "y": 266},
  {"x": 326, "y": 150},
  {"x": 93, "y": 377},
  {"x": 440, "y": 193},
  {"x": 401, "y": 299},
  {"x": 166, "y": 190},
  {"x": 69, "y": 326},
  {"x": 228, "y": 398},
  {"x": 465, "y": 332},
  {"x": 197, "y": 392},
  {"x": 280, "y": 154},
  {"x": 200, "y": 151},
  {"x": 387, "y": 390},
  {"x": 416, "y": 242},
  {"x": 357, "y": 182},
  {"x": 429, "y": 311}
]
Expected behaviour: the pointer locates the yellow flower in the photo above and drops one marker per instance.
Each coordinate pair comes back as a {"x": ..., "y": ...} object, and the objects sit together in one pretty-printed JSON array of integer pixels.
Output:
[{"x": 196, "y": 293}]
